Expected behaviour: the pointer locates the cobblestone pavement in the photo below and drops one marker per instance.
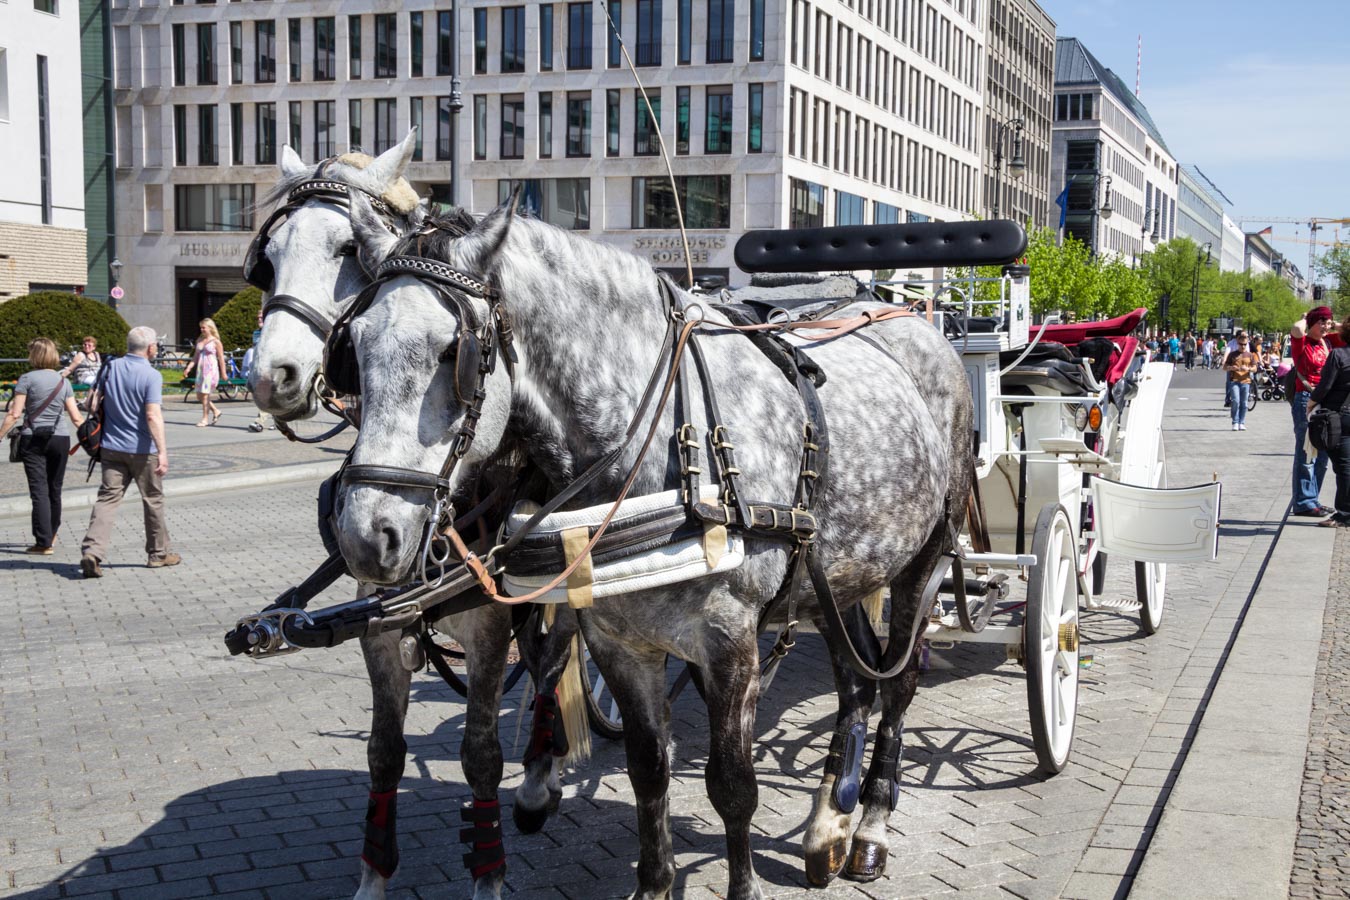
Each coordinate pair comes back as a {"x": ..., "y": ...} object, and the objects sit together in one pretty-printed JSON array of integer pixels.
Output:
[
  {"x": 137, "y": 760},
  {"x": 1322, "y": 850}
]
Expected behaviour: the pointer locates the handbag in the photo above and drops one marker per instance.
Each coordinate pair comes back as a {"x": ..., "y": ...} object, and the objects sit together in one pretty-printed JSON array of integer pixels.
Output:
[
  {"x": 1324, "y": 429},
  {"x": 29, "y": 414}
]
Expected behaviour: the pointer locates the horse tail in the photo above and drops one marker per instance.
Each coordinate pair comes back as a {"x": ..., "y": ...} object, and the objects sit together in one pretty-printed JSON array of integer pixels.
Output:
[
  {"x": 874, "y": 604},
  {"x": 572, "y": 701}
]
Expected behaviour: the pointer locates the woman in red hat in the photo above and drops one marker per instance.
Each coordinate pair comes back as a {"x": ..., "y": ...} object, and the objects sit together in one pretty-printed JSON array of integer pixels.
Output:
[
  {"x": 1333, "y": 392},
  {"x": 1312, "y": 338}
]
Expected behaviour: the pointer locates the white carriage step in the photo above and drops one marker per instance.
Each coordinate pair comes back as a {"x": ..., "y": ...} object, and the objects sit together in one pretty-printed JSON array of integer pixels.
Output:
[
  {"x": 1076, "y": 454},
  {"x": 1114, "y": 604}
]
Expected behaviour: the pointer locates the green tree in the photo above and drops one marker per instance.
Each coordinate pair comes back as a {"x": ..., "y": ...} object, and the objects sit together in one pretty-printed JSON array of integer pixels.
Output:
[
  {"x": 237, "y": 319},
  {"x": 1063, "y": 276},
  {"x": 1334, "y": 268},
  {"x": 64, "y": 318}
]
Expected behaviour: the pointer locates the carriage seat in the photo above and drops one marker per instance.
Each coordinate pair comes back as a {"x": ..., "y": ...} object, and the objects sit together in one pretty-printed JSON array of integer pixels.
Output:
[
  {"x": 1048, "y": 365},
  {"x": 1117, "y": 328},
  {"x": 799, "y": 295}
]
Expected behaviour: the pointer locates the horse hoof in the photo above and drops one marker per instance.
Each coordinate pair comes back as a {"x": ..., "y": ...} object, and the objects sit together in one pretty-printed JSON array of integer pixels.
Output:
[
  {"x": 867, "y": 861},
  {"x": 825, "y": 863},
  {"x": 529, "y": 821}
]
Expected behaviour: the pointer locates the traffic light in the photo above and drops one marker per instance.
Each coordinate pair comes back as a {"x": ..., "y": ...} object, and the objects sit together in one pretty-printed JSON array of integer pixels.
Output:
[
  {"x": 1317, "y": 292},
  {"x": 1247, "y": 295},
  {"x": 1165, "y": 309}
]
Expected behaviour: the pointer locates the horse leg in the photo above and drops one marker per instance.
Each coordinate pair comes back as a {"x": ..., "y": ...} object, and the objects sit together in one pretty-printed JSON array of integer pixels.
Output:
[
  {"x": 386, "y": 752},
  {"x": 825, "y": 844},
  {"x": 637, "y": 679},
  {"x": 547, "y": 656},
  {"x": 881, "y": 790},
  {"x": 731, "y": 694}
]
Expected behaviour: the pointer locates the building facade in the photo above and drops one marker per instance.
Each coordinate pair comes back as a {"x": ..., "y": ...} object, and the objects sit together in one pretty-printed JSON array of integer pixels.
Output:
[
  {"x": 1258, "y": 255},
  {"x": 1200, "y": 209},
  {"x": 1108, "y": 157},
  {"x": 42, "y": 236},
  {"x": 99, "y": 217},
  {"x": 1233, "y": 257},
  {"x": 1019, "y": 86},
  {"x": 774, "y": 114}
]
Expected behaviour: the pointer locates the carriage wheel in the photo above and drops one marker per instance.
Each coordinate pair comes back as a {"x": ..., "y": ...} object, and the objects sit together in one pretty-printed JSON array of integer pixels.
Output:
[
  {"x": 602, "y": 711},
  {"x": 1150, "y": 579},
  {"x": 1050, "y": 638}
]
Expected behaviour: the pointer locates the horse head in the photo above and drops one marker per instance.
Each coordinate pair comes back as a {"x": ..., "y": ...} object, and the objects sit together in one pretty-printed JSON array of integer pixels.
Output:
[
  {"x": 417, "y": 344},
  {"x": 307, "y": 267}
]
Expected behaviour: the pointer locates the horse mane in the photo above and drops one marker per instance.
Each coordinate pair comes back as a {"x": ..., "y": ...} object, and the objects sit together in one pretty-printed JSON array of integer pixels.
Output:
[
  {"x": 437, "y": 232},
  {"x": 347, "y": 169}
]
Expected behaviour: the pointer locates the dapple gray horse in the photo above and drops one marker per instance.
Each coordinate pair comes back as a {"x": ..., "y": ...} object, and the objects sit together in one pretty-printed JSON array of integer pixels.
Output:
[
  {"x": 588, "y": 322},
  {"x": 312, "y": 258}
]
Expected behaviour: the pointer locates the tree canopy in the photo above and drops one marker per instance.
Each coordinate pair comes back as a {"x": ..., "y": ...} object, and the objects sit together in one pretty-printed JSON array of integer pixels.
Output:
[{"x": 62, "y": 317}]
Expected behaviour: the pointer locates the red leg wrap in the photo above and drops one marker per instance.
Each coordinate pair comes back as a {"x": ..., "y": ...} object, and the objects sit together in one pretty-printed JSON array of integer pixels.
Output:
[
  {"x": 485, "y": 836},
  {"x": 547, "y": 734},
  {"x": 381, "y": 848}
]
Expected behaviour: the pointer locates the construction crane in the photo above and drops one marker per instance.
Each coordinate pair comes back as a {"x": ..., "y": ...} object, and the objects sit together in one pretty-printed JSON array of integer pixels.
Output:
[
  {"x": 1299, "y": 240},
  {"x": 1314, "y": 224}
]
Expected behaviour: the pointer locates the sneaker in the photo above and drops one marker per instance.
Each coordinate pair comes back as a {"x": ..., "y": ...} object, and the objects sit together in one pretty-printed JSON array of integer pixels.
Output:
[
  {"x": 1316, "y": 512},
  {"x": 1235, "y": 426},
  {"x": 1242, "y": 427},
  {"x": 90, "y": 567},
  {"x": 159, "y": 562},
  {"x": 38, "y": 550}
]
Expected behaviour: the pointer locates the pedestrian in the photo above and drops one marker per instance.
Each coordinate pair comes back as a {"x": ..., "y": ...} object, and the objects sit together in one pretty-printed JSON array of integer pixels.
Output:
[
  {"x": 1311, "y": 345},
  {"x": 40, "y": 396},
  {"x": 1188, "y": 347},
  {"x": 1173, "y": 349},
  {"x": 1240, "y": 363},
  {"x": 262, "y": 421},
  {"x": 130, "y": 402},
  {"x": 84, "y": 365},
  {"x": 1208, "y": 351},
  {"x": 208, "y": 362},
  {"x": 1333, "y": 392},
  {"x": 1152, "y": 345}
]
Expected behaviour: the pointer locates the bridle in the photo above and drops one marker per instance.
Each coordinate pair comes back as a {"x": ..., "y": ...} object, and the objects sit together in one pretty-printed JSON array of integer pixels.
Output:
[{"x": 474, "y": 355}]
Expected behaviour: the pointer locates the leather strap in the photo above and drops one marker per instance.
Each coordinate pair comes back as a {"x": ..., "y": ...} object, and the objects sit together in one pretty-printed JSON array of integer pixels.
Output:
[
  {"x": 292, "y": 304},
  {"x": 394, "y": 476}
]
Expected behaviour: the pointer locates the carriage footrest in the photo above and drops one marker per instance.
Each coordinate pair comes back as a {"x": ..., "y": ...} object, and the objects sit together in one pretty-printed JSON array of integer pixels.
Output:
[
  {"x": 1113, "y": 604},
  {"x": 1000, "y": 560},
  {"x": 1076, "y": 454}
]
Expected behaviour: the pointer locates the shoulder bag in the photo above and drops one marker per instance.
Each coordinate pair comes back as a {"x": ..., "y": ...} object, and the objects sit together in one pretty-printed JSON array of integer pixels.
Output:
[{"x": 29, "y": 415}]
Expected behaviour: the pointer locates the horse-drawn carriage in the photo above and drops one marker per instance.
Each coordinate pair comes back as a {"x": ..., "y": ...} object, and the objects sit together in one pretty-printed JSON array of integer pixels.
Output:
[{"x": 1017, "y": 448}]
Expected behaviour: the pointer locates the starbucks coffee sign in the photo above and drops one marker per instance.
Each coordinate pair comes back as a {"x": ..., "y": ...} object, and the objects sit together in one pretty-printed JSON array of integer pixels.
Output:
[{"x": 670, "y": 249}]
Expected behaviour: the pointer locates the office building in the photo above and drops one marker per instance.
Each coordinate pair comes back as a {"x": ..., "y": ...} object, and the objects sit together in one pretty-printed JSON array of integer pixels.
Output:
[
  {"x": 1018, "y": 98},
  {"x": 42, "y": 236},
  {"x": 1120, "y": 177},
  {"x": 1200, "y": 209},
  {"x": 1258, "y": 254}
]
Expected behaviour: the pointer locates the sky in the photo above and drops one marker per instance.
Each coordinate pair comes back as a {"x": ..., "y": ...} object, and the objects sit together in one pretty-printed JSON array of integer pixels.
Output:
[{"x": 1257, "y": 94}]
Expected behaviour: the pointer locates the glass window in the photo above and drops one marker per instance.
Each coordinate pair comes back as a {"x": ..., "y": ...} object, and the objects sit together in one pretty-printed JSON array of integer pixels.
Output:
[
  {"x": 415, "y": 45},
  {"x": 686, "y": 23},
  {"x": 325, "y": 129},
  {"x": 718, "y": 134},
  {"x": 648, "y": 33},
  {"x": 206, "y": 53},
  {"x": 46, "y": 6},
  {"x": 513, "y": 126},
  {"x": 546, "y": 37},
  {"x": 545, "y": 126},
  {"x": 415, "y": 123},
  {"x": 293, "y": 47},
  {"x": 213, "y": 207},
  {"x": 645, "y": 139},
  {"x": 721, "y": 30},
  {"x": 265, "y": 140},
  {"x": 386, "y": 45},
  {"x": 354, "y": 47},
  {"x": 442, "y": 127},
  {"x": 754, "y": 142},
  {"x": 180, "y": 135},
  {"x": 236, "y": 134},
  {"x": 807, "y": 204},
  {"x": 578, "y": 36},
  {"x": 206, "y": 135},
  {"x": 444, "y": 43},
  {"x": 480, "y": 127},
  {"x": 564, "y": 202},
  {"x": 706, "y": 200},
  {"x": 325, "y": 48},
  {"x": 756, "y": 29},
  {"x": 682, "y": 120},
  {"x": 613, "y": 28},
  {"x": 612, "y": 101},
  {"x": 480, "y": 40},
  {"x": 265, "y": 51},
  {"x": 236, "y": 53},
  {"x": 353, "y": 125},
  {"x": 848, "y": 208},
  {"x": 295, "y": 127},
  {"x": 385, "y": 119},
  {"x": 513, "y": 39},
  {"x": 579, "y": 124},
  {"x": 885, "y": 214},
  {"x": 179, "y": 55}
]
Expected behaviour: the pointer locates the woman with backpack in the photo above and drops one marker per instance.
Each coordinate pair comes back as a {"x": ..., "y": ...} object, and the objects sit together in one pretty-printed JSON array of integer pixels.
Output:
[
  {"x": 43, "y": 440},
  {"x": 1333, "y": 393}
]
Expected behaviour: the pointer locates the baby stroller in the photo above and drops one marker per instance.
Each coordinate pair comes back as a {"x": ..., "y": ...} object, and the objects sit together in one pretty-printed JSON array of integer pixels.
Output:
[{"x": 1270, "y": 384}]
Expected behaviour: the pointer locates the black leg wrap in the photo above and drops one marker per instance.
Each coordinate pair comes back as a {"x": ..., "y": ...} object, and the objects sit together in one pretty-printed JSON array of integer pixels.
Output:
[
  {"x": 380, "y": 851},
  {"x": 848, "y": 779},
  {"x": 886, "y": 759},
  {"x": 547, "y": 735},
  {"x": 484, "y": 835}
]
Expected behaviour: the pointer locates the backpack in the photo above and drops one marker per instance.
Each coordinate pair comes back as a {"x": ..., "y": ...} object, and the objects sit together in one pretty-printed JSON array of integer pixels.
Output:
[
  {"x": 1324, "y": 429},
  {"x": 90, "y": 432}
]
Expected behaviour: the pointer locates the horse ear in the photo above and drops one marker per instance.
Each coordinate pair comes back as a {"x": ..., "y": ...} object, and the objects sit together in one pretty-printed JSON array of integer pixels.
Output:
[
  {"x": 292, "y": 166},
  {"x": 486, "y": 238},
  {"x": 388, "y": 167},
  {"x": 374, "y": 241}
]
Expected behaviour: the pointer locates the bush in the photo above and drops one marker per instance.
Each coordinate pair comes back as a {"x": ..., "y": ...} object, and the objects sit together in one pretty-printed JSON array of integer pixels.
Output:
[
  {"x": 238, "y": 319},
  {"x": 65, "y": 318}
]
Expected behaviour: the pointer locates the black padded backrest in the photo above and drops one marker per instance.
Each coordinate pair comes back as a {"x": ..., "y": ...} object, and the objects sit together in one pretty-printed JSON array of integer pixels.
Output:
[{"x": 847, "y": 248}]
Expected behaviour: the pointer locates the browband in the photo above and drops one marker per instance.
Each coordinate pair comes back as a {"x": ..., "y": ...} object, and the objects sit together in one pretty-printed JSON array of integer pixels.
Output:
[{"x": 421, "y": 267}]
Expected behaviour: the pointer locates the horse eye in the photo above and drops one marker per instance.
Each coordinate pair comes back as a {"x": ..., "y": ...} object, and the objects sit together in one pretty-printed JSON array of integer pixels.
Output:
[{"x": 347, "y": 249}]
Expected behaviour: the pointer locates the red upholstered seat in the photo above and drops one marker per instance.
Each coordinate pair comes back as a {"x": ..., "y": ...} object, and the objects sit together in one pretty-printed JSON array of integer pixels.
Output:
[
  {"x": 1120, "y": 327},
  {"x": 1120, "y": 362}
]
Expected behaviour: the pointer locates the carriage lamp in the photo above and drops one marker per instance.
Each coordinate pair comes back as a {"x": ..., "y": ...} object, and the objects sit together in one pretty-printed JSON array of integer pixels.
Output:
[
  {"x": 1080, "y": 418},
  {"x": 1095, "y": 418}
]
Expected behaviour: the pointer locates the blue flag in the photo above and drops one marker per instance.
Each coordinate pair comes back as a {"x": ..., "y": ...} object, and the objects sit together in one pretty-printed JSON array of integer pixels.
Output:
[{"x": 1063, "y": 201}]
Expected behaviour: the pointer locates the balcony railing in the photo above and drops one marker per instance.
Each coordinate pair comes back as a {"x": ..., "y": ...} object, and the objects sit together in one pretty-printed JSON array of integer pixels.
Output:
[
  {"x": 720, "y": 51},
  {"x": 646, "y": 145},
  {"x": 648, "y": 53},
  {"x": 579, "y": 57}
]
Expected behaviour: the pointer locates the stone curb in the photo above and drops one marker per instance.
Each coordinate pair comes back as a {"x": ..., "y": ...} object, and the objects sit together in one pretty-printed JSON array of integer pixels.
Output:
[{"x": 190, "y": 486}]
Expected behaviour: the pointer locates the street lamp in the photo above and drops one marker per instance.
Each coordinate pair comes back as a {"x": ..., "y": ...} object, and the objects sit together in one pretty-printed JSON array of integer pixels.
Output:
[
  {"x": 1017, "y": 165},
  {"x": 1202, "y": 255},
  {"x": 1106, "y": 203},
  {"x": 116, "y": 268}
]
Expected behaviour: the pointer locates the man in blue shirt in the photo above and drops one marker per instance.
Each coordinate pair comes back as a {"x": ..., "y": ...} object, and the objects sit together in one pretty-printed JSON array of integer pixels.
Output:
[{"x": 133, "y": 450}]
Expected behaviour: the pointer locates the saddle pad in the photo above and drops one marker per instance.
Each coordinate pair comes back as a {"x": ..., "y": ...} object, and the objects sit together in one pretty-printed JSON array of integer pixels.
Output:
[{"x": 717, "y": 551}]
